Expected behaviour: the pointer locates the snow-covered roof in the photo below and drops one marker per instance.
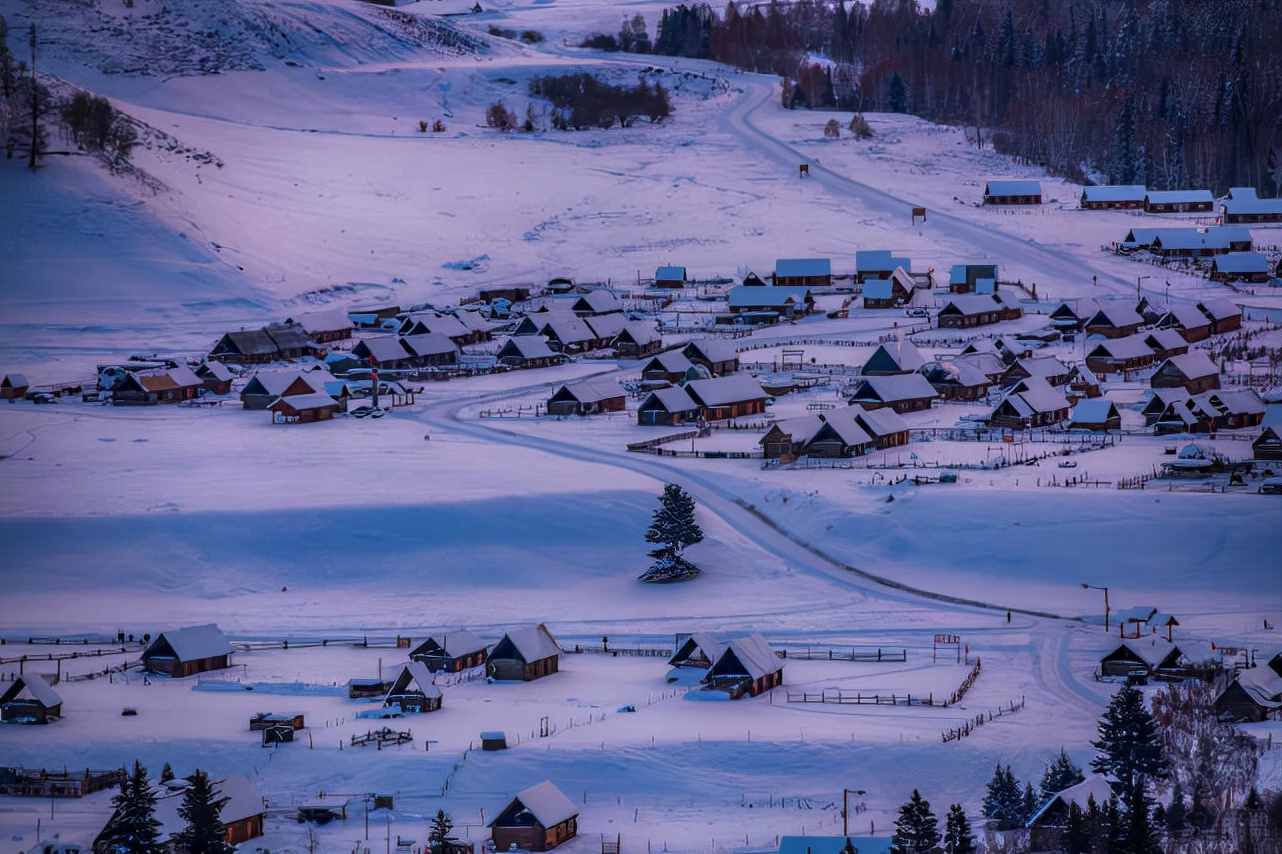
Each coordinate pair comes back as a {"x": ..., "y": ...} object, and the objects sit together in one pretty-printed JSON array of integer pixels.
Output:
[
  {"x": 599, "y": 300},
  {"x": 217, "y": 370},
  {"x": 843, "y": 423},
  {"x": 1013, "y": 188},
  {"x": 1096, "y": 787},
  {"x": 533, "y": 642},
  {"x": 1093, "y": 410},
  {"x": 720, "y": 391},
  {"x": 755, "y": 654},
  {"x": 1163, "y": 339},
  {"x": 970, "y": 304},
  {"x": 1116, "y": 315},
  {"x": 527, "y": 347},
  {"x": 774, "y": 296},
  {"x": 1230, "y": 401},
  {"x": 325, "y": 320},
  {"x": 706, "y": 642},
  {"x": 894, "y": 388},
  {"x": 1193, "y": 365},
  {"x": 879, "y": 422},
  {"x": 1115, "y": 193},
  {"x": 1129, "y": 347},
  {"x": 901, "y": 352},
  {"x": 606, "y": 326},
  {"x": 671, "y": 361},
  {"x": 593, "y": 390},
  {"x": 1241, "y": 262},
  {"x": 193, "y": 643},
  {"x": 671, "y": 399},
  {"x": 712, "y": 349},
  {"x": 383, "y": 348},
  {"x": 1178, "y": 197},
  {"x": 1252, "y": 206},
  {"x": 414, "y": 675},
  {"x": 14, "y": 381},
  {"x": 545, "y": 802},
  {"x": 444, "y": 324},
  {"x": 1219, "y": 309},
  {"x": 242, "y": 801},
  {"x": 793, "y": 267},
  {"x": 1263, "y": 685},
  {"x": 34, "y": 685},
  {"x": 567, "y": 328},
  {"x": 1043, "y": 366},
  {"x": 458, "y": 642},
  {"x": 640, "y": 333},
  {"x": 429, "y": 344},
  {"x": 1185, "y": 317},
  {"x": 302, "y": 402},
  {"x": 668, "y": 273}
]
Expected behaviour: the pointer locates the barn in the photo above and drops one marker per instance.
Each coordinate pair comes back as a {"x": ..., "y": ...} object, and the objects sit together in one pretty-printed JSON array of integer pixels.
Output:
[
  {"x": 456, "y": 650},
  {"x": 187, "y": 651},
  {"x": 13, "y": 387},
  {"x": 527, "y": 653},
  {"x": 538, "y": 819},
  {"x": 30, "y": 699}
]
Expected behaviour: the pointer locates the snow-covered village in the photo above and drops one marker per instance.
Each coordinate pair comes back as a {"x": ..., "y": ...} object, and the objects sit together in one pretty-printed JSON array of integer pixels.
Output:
[{"x": 440, "y": 426}]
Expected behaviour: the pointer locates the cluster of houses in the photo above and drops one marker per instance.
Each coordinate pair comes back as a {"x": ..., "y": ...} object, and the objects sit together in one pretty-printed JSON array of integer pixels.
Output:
[
  {"x": 1241, "y": 205},
  {"x": 1228, "y": 250}
]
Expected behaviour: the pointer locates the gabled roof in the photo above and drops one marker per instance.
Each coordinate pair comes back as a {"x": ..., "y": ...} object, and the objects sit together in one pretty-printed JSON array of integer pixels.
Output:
[
  {"x": 755, "y": 654},
  {"x": 775, "y": 296},
  {"x": 1095, "y": 787},
  {"x": 276, "y": 383},
  {"x": 414, "y": 675},
  {"x": 545, "y": 802},
  {"x": 668, "y": 273},
  {"x": 444, "y": 324},
  {"x": 1241, "y": 262},
  {"x": 670, "y": 399},
  {"x": 900, "y": 354},
  {"x": 1178, "y": 197},
  {"x": 969, "y": 304},
  {"x": 671, "y": 361},
  {"x": 1252, "y": 206},
  {"x": 383, "y": 348},
  {"x": 879, "y": 422},
  {"x": 14, "y": 381},
  {"x": 712, "y": 350},
  {"x": 1185, "y": 317},
  {"x": 606, "y": 325},
  {"x": 527, "y": 347},
  {"x": 248, "y": 342},
  {"x": 719, "y": 391},
  {"x": 1130, "y": 347},
  {"x": 289, "y": 337},
  {"x": 326, "y": 320},
  {"x": 842, "y": 422},
  {"x": 303, "y": 402},
  {"x": 879, "y": 261},
  {"x": 1013, "y": 188},
  {"x": 566, "y": 328},
  {"x": 1163, "y": 339},
  {"x": 802, "y": 428},
  {"x": 428, "y": 344},
  {"x": 195, "y": 642},
  {"x": 893, "y": 388},
  {"x": 1115, "y": 193},
  {"x": 599, "y": 300},
  {"x": 35, "y": 685},
  {"x": 1219, "y": 309},
  {"x": 1042, "y": 366},
  {"x": 638, "y": 333},
  {"x": 1033, "y": 396},
  {"x": 1093, "y": 410},
  {"x": 592, "y": 390},
  {"x": 456, "y": 642},
  {"x": 532, "y": 643},
  {"x": 168, "y": 379},
  {"x": 959, "y": 370},
  {"x": 803, "y": 267},
  {"x": 1262, "y": 685},
  {"x": 241, "y": 802},
  {"x": 1230, "y": 401},
  {"x": 1195, "y": 365},
  {"x": 1115, "y": 315},
  {"x": 1084, "y": 309},
  {"x": 216, "y": 370},
  {"x": 705, "y": 642}
]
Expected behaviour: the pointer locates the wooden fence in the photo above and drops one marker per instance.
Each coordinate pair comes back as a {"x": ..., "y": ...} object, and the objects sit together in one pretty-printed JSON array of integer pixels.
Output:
[
  {"x": 811, "y": 654},
  {"x": 958, "y": 733},
  {"x": 836, "y": 696}
]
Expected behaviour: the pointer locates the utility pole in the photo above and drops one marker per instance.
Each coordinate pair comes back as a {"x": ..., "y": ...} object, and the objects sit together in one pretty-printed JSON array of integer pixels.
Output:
[{"x": 35, "y": 116}]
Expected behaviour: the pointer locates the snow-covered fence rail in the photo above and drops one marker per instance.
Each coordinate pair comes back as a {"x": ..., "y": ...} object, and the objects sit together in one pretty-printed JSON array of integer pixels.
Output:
[
  {"x": 650, "y": 445},
  {"x": 63, "y": 656},
  {"x": 836, "y": 696},
  {"x": 958, "y": 733},
  {"x": 879, "y": 654},
  {"x": 631, "y": 651},
  {"x": 965, "y": 685}
]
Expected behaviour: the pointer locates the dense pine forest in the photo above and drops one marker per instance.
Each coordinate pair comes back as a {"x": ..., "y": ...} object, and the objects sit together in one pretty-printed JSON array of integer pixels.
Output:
[{"x": 1168, "y": 93}]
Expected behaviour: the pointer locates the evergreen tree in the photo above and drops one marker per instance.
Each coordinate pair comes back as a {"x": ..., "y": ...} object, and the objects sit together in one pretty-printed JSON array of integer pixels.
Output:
[
  {"x": 1003, "y": 801},
  {"x": 916, "y": 829},
  {"x": 1121, "y": 154},
  {"x": 957, "y": 835},
  {"x": 896, "y": 94},
  {"x": 1140, "y": 836},
  {"x": 1200, "y": 815},
  {"x": 439, "y": 833},
  {"x": 1028, "y": 803},
  {"x": 1128, "y": 746},
  {"x": 672, "y": 528},
  {"x": 133, "y": 828},
  {"x": 1176, "y": 813},
  {"x": 166, "y": 773},
  {"x": 1060, "y": 774},
  {"x": 202, "y": 809},
  {"x": 1077, "y": 837}
]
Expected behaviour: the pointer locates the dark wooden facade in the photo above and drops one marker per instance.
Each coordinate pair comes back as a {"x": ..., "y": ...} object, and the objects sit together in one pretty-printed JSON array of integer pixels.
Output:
[{"x": 437, "y": 658}]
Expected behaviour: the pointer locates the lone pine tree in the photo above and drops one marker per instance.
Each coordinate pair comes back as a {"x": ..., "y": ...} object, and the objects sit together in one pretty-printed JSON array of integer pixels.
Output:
[
  {"x": 202, "y": 809},
  {"x": 133, "y": 828},
  {"x": 672, "y": 529}
]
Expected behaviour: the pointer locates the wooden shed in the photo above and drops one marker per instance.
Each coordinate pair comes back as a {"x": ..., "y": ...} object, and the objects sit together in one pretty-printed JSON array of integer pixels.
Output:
[
  {"x": 455, "y": 651},
  {"x": 538, "y": 819},
  {"x": 13, "y": 387},
  {"x": 746, "y": 666},
  {"x": 187, "y": 651},
  {"x": 216, "y": 377},
  {"x": 303, "y": 408},
  {"x": 30, "y": 699},
  {"x": 527, "y": 653}
]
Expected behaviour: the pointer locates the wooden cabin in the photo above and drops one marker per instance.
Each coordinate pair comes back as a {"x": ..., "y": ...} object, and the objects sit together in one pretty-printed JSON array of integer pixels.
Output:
[
  {"x": 667, "y": 407},
  {"x": 669, "y": 276},
  {"x": 1113, "y": 197},
  {"x": 1030, "y": 403},
  {"x": 803, "y": 272},
  {"x": 900, "y": 392},
  {"x": 14, "y": 387},
  {"x": 1098, "y": 413},
  {"x": 528, "y": 653},
  {"x": 412, "y": 690},
  {"x": 894, "y": 290},
  {"x": 731, "y": 396},
  {"x": 1013, "y": 193},
  {"x": 241, "y": 814},
  {"x": 538, "y": 819},
  {"x": 30, "y": 699},
  {"x": 1114, "y": 321},
  {"x": 589, "y": 397},
  {"x": 365, "y": 687},
  {"x": 455, "y": 651},
  {"x": 216, "y": 377},
  {"x": 1267, "y": 446},
  {"x": 718, "y": 356},
  {"x": 187, "y": 651},
  {"x": 1178, "y": 201},
  {"x": 1194, "y": 372},
  {"x": 1254, "y": 695},
  {"x": 1151, "y": 656},
  {"x": 528, "y": 351},
  {"x": 747, "y": 666},
  {"x": 635, "y": 341},
  {"x": 303, "y": 408},
  {"x": 1047, "y": 825}
]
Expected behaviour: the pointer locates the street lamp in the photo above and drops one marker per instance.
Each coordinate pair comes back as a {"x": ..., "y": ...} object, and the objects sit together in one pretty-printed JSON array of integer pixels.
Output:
[
  {"x": 1105, "y": 589},
  {"x": 845, "y": 808}
]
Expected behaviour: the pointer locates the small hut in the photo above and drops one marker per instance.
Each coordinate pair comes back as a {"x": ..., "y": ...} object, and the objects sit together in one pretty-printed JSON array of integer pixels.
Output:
[
  {"x": 413, "y": 690},
  {"x": 537, "y": 819},
  {"x": 184, "y": 652},
  {"x": 30, "y": 699},
  {"x": 526, "y": 654}
]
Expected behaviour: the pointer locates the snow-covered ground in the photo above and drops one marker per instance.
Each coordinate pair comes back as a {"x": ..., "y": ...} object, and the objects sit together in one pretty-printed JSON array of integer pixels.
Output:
[{"x": 147, "y": 519}]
